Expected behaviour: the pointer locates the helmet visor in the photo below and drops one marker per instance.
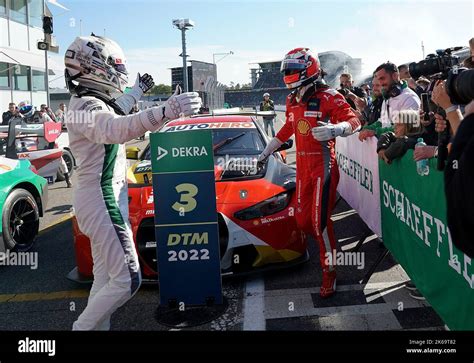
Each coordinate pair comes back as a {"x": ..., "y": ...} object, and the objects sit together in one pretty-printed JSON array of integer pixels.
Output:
[
  {"x": 289, "y": 66},
  {"x": 121, "y": 68}
]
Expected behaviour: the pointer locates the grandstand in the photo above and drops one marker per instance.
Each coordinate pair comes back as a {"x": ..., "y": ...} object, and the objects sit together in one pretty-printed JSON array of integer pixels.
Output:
[{"x": 267, "y": 78}]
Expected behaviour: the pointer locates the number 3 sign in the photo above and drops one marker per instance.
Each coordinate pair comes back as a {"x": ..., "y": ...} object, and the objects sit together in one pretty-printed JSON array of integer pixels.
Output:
[{"x": 186, "y": 218}]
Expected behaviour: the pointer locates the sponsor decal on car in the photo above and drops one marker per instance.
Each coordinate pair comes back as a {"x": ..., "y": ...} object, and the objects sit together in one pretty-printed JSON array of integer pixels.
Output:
[
  {"x": 270, "y": 220},
  {"x": 211, "y": 125}
]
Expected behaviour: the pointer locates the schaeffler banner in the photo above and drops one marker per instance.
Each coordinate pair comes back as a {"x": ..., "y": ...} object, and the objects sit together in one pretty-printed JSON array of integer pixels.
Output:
[
  {"x": 359, "y": 178},
  {"x": 415, "y": 231}
]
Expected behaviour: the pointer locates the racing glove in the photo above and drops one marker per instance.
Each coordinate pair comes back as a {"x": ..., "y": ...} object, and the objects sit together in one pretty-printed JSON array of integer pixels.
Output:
[
  {"x": 329, "y": 131},
  {"x": 142, "y": 85},
  {"x": 273, "y": 145},
  {"x": 181, "y": 104}
]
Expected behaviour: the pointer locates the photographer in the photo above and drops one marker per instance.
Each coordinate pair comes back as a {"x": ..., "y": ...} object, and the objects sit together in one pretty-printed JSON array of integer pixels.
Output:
[
  {"x": 459, "y": 179},
  {"x": 267, "y": 105},
  {"x": 355, "y": 96}
]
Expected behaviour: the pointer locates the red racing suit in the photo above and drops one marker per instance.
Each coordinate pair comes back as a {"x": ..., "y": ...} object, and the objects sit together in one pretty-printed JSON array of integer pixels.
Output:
[{"x": 317, "y": 174}]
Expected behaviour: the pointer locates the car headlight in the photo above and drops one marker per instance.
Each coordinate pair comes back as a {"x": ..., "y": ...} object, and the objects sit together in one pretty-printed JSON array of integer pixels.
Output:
[{"x": 267, "y": 207}]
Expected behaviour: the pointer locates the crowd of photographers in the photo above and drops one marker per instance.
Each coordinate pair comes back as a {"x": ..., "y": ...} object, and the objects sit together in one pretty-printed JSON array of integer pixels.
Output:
[{"x": 431, "y": 100}]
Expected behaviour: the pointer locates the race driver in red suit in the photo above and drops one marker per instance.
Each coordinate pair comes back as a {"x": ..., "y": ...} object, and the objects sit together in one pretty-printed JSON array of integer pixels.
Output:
[{"x": 316, "y": 114}]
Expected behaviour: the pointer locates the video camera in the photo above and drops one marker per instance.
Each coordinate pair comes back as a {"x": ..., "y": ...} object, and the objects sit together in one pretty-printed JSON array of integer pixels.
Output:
[{"x": 445, "y": 66}]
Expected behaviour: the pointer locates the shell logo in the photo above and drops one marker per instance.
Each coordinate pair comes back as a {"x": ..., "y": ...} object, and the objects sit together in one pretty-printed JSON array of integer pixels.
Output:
[
  {"x": 303, "y": 127},
  {"x": 5, "y": 167}
]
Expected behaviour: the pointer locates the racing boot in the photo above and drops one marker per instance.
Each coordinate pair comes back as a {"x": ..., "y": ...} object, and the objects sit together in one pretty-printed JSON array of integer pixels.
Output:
[
  {"x": 328, "y": 286},
  {"x": 68, "y": 180}
]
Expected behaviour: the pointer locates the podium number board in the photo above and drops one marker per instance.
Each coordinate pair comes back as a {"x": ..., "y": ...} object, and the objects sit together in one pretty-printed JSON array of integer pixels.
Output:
[{"x": 186, "y": 226}]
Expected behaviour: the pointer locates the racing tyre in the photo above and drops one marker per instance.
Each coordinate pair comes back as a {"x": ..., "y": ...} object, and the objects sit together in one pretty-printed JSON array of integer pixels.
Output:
[
  {"x": 20, "y": 220},
  {"x": 69, "y": 159}
]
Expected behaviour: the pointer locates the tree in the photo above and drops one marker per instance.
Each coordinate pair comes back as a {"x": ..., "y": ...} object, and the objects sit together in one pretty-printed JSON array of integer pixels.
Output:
[{"x": 161, "y": 89}]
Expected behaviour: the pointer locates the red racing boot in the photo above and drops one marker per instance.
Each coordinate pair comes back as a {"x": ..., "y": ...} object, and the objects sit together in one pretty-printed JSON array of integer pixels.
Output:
[{"x": 328, "y": 287}]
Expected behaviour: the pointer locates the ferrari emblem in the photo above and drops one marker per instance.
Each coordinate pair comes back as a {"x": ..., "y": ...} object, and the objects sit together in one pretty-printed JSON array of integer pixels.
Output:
[
  {"x": 303, "y": 127},
  {"x": 244, "y": 194}
]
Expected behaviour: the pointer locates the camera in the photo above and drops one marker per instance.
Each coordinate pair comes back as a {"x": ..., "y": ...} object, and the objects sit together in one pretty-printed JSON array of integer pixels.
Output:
[
  {"x": 445, "y": 66},
  {"x": 435, "y": 64},
  {"x": 460, "y": 85}
]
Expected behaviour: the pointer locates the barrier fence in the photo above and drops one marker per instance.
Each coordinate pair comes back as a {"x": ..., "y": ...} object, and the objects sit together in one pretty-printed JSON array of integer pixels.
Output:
[{"x": 409, "y": 211}]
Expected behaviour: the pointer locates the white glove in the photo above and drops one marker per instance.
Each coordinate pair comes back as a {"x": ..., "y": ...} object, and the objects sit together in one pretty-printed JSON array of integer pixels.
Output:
[
  {"x": 142, "y": 85},
  {"x": 181, "y": 104},
  {"x": 270, "y": 149},
  {"x": 329, "y": 131}
]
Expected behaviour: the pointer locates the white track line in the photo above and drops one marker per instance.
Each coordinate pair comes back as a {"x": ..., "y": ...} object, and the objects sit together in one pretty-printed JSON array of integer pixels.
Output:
[{"x": 254, "y": 304}]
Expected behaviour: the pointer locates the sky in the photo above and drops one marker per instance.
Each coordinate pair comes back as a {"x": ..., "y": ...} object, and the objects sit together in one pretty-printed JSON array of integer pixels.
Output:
[{"x": 256, "y": 31}]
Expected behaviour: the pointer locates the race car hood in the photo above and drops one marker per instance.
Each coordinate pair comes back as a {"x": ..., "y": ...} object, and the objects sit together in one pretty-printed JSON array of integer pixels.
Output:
[{"x": 274, "y": 178}]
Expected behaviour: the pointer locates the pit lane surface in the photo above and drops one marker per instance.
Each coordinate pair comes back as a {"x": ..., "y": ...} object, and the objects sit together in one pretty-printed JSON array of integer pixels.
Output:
[{"x": 43, "y": 299}]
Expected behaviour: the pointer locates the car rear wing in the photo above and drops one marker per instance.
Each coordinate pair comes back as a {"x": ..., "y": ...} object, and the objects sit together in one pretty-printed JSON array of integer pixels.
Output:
[
  {"x": 47, "y": 133},
  {"x": 49, "y": 130}
]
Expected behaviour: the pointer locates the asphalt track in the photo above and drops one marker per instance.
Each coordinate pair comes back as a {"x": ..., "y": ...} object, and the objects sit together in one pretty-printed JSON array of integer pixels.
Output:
[{"x": 43, "y": 299}]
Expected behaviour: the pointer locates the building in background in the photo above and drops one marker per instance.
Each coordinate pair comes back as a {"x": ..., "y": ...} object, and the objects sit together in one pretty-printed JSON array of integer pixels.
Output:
[
  {"x": 202, "y": 78},
  {"x": 22, "y": 65}
]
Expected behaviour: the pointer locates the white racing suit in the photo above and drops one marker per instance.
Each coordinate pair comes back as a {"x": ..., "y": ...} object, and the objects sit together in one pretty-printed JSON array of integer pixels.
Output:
[{"x": 96, "y": 135}]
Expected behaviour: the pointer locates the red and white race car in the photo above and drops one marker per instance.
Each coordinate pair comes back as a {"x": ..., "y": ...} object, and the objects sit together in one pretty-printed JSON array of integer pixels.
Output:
[
  {"x": 255, "y": 203},
  {"x": 34, "y": 142}
]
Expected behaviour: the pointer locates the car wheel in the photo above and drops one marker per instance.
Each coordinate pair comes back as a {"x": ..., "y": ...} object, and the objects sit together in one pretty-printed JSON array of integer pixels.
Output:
[
  {"x": 68, "y": 158},
  {"x": 20, "y": 220}
]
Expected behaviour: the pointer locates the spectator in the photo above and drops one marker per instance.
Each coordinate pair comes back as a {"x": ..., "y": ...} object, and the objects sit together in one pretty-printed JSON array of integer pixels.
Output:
[
  {"x": 355, "y": 96},
  {"x": 267, "y": 105},
  {"x": 405, "y": 75},
  {"x": 407, "y": 130},
  {"x": 372, "y": 112},
  {"x": 45, "y": 110},
  {"x": 397, "y": 95},
  {"x": 404, "y": 72},
  {"x": 366, "y": 88},
  {"x": 61, "y": 113},
  {"x": 8, "y": 115}
]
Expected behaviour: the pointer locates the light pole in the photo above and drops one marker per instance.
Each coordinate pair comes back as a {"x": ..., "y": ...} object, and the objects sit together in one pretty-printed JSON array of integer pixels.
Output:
[{"x": 183, "y": 25}]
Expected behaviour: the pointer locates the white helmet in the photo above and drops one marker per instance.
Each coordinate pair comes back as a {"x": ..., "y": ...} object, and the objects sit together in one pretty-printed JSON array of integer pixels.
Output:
[
  {"x": 97, "y": 63},
  {"x": 266, "y": 95}
]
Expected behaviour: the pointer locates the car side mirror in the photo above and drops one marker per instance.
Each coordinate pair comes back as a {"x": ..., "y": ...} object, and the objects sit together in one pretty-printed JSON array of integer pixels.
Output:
[
  {"x": 286, "y": 145},
  {"x": 132, "y": 152}
]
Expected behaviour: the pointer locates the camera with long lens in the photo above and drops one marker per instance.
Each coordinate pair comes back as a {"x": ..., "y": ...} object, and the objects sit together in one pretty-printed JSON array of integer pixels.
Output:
[{"x": 445, "y": 66}]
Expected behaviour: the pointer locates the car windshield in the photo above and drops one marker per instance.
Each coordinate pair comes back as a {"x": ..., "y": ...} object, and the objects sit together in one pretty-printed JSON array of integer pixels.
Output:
[{"x": 240, "y": 142}]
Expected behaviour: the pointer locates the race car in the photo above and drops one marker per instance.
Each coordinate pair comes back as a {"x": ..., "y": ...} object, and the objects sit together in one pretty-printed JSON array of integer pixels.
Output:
[
  {"x": 255, "y": 203},
  {"x": 23, "y": 197},
  {"x": 34, "y": 142}
]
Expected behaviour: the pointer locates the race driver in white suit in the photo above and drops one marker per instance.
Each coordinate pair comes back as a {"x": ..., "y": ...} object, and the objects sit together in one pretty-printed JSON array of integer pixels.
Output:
[{"x": 99, "y": 124}]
